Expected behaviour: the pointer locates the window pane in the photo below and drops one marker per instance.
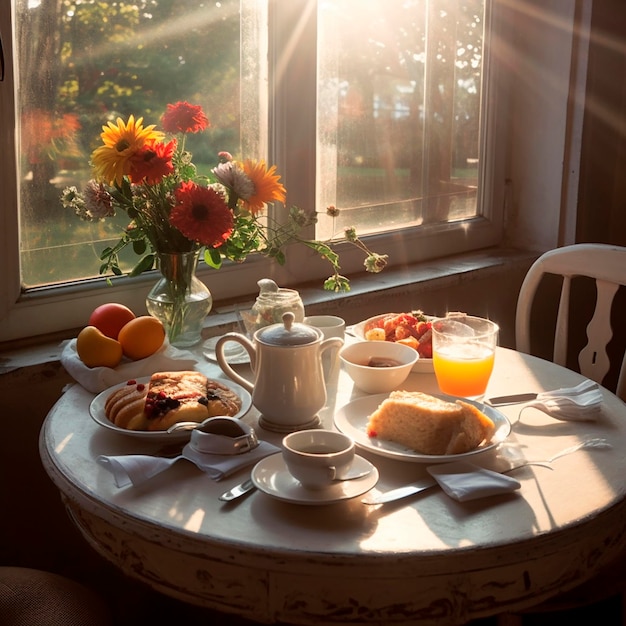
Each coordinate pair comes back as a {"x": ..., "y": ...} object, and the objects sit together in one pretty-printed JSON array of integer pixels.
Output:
[
  {"x": 85, "y": 62},
  {"x": 400, "y": 104}
]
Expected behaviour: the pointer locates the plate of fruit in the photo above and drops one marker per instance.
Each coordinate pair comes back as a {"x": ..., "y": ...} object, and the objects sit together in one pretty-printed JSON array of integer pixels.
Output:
[{"x": 412, "y": 329}]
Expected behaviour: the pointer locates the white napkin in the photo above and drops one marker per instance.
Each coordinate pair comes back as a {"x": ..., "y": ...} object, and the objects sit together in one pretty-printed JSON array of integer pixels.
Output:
[
  {"x": 465, "y": 481},
  {"x": 582, "y": 403},
  {"x": 136, "y": 469},
  {"x": 97, "y": 379}
]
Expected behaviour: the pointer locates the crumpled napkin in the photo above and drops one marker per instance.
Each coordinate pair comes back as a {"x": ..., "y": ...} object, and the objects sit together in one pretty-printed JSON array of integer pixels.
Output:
[
  {"x": 135, "y": 469},
  {"x": 582, "y": 403},
  {"x": 97, "y": 379},
  {"x": 465, "y": 481}
]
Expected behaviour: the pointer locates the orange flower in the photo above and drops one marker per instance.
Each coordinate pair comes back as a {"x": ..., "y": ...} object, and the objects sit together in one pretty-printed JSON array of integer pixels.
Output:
[{"x": 267, "y": 187}]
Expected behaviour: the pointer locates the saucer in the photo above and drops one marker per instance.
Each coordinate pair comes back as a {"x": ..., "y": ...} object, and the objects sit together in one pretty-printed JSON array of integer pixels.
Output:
[
  {"x": 271, "y": 476},
  {"x": 234, "y": 353}
]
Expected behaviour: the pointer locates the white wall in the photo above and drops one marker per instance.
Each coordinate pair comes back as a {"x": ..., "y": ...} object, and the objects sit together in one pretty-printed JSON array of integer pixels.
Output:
[{"x": 547, "y": 65}]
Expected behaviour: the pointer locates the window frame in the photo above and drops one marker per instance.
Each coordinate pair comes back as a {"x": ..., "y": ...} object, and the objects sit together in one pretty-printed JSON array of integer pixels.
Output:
[{"x": 291, "y": 120}]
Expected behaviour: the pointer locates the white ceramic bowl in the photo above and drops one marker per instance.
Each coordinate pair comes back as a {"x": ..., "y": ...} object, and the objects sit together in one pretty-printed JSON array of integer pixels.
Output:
[
  {"x": 422, "y": 365},
  {"x": 374, "y": 379}
]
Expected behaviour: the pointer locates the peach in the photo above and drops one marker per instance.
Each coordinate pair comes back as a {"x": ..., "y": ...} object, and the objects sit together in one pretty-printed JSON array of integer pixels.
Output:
[
  {"x": 142, "y": 337},
  {"x": 95, "y": 349}
]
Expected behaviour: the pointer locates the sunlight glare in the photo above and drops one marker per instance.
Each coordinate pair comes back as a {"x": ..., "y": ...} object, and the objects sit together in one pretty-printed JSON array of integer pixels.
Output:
[
  {"x": 63, "y": 443},
  {"x": 194, "y": 523}
]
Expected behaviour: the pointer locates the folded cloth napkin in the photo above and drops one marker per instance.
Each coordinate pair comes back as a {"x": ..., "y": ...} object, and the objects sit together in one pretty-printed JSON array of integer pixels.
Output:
[
  {"x": 97, "y": 379},
  {"x": 137, "y": 468},
  {"x": 465, "y": 481}
]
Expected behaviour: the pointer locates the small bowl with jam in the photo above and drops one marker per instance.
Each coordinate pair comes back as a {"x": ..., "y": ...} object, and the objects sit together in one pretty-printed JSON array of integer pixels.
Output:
[{"x": 378, "y": 366}]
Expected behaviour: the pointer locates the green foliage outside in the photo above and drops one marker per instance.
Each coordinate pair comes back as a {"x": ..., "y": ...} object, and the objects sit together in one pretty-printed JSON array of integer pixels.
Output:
[{"x": 90, "y": 62}]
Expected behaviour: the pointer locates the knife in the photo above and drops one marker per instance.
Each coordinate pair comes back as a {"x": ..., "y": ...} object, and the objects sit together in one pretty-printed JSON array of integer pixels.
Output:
[
  {"x": 515, "y": 398},
  {"x": 400, "y": 492},
  {"x": 237, "y": 491}
]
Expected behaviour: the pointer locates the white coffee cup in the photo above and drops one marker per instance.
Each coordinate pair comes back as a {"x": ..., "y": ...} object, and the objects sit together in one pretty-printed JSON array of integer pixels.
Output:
[
  {"x": 329, "y": 326},
  {"x": 317, "y": 457}
]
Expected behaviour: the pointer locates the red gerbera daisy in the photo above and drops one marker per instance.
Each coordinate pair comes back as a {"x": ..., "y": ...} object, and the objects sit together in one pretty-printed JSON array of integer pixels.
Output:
[
  {"x": 152, "y": 163},
  {"x": 202, "y": 215},
  {"x": 183, "y": 117}
]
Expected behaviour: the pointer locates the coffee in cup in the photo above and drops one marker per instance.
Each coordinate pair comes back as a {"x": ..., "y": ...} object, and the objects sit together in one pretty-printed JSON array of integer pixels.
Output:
[{"x": 317, "y": 457}]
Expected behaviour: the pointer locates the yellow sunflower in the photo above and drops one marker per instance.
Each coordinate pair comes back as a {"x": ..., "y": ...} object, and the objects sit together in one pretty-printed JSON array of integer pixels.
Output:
[
  {"x": 112, "y": 160},
  {"x": 267, "y": 187}
]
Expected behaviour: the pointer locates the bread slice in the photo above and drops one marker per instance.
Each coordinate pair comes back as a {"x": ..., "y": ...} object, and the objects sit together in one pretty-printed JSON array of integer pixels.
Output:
[{"x": 430, "y": 425}]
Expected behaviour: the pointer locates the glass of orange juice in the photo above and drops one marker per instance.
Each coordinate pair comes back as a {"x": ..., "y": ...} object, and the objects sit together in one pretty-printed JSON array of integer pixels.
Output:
[{"x": 463, "y": 354}]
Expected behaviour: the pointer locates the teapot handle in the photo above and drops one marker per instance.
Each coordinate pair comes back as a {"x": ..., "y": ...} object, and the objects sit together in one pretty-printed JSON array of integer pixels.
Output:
[{"x": 226, "y": 368}]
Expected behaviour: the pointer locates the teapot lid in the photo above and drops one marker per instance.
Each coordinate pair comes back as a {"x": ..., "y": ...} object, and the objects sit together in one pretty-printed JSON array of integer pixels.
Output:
[{"x": 288, "y": 333}]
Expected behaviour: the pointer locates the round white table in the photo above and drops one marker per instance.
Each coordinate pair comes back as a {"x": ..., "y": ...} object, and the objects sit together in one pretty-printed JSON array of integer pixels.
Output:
[{"x": 427, "y": 559}]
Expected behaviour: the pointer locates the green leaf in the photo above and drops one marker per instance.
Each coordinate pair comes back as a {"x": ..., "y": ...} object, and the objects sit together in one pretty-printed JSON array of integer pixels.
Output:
[
  {"x": 139, "y": 246},
  {"x": 144, "y": 264},
  {"x": 212, "y": 258}
]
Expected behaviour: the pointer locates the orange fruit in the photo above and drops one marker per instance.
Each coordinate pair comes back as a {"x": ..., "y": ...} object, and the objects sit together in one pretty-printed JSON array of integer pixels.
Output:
[
  {"x": 141, "y": 337},
  {"x": 95, "y": 349},
  {"x": 110, "y": 318}
]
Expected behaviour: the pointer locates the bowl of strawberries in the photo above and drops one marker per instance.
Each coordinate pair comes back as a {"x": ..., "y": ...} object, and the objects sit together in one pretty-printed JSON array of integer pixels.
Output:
[{"x": 412, "y": 329}]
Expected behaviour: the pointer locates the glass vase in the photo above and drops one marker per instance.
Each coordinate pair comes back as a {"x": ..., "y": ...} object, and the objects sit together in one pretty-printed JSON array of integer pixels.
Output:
[{"x": 179, "y": 299}]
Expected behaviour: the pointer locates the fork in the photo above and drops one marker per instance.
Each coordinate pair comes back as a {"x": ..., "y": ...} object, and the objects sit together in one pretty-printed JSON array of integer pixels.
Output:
[{"x": 597, "y": 443}]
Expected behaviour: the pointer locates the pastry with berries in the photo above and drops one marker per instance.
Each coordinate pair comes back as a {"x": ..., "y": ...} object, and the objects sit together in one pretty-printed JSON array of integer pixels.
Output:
[{"x": 169, "y": 398}]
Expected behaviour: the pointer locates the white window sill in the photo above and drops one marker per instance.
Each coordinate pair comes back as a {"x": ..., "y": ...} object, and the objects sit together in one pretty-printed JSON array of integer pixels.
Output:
[{"x": 369, "y": 295}]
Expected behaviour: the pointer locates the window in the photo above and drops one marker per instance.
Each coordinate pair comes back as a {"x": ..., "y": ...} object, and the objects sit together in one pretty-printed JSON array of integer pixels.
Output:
[
  {"x": 400, "y": 93},
  {"x": 383, "y": 108}
]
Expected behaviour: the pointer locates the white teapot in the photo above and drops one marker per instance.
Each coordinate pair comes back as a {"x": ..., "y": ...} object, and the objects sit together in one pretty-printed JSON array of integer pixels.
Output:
[{"x": 286, "y": 361}]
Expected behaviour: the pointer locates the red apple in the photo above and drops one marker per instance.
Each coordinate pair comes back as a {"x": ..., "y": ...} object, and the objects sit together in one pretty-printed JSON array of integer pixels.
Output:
[{"x": 110, "y": 318}]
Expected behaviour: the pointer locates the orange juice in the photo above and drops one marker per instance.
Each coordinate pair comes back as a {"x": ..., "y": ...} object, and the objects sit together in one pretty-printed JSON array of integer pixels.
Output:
[{"x": 463, "y": 370}]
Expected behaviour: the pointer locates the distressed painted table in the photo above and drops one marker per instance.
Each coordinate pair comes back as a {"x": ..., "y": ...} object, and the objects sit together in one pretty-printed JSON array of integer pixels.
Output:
[{"x": 427, "y": 560}]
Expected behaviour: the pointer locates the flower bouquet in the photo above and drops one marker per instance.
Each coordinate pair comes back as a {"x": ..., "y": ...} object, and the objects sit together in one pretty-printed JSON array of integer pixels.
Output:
[{"x": 173, "y": 210}]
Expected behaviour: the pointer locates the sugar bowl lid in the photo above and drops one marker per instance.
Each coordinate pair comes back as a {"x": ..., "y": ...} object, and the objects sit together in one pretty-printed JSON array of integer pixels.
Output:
[{"x": 289, "y": 333}]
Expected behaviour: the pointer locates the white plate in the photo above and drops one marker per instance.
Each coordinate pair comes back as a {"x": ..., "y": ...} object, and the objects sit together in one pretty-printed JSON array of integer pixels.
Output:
[
  {"x": 272, "y": 477},
  {"x": 351, "y": 419},
  {"x": 234, "y": 352},
  {"x": 96, "y": 410},
  {"x": 422, "y": 365}
]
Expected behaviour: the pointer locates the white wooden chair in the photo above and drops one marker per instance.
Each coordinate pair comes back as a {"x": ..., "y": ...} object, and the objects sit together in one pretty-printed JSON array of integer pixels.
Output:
[{"x": 607, "y": 265}]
